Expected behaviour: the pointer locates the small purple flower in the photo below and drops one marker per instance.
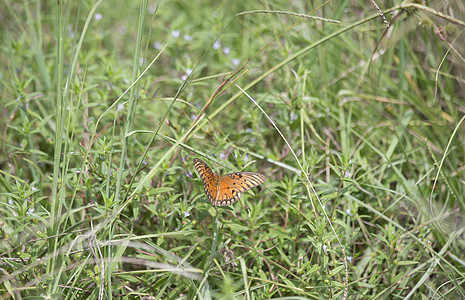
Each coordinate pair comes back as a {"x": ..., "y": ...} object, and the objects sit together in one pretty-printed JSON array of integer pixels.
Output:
[
  {"x": 217, "y": 45},
  {"x": 70, "y": 31},
  {"x": 98, "y": 17},
  {"x": 157, "y": 45},
  {"x": 122, "y": 30},
  {"x": 188, "y": 72},
  {"x": 226, "y": 50},
  {"x": 120, "y": 107},
  {"x": 236, "y": 61},
  {"x": 349, "y": 212},
  {"x": 186, "y": 214},
  {"x": 324, "y": 248},
  {"x": 187, "y": 37},
  {"x": 175, "y": 33}
]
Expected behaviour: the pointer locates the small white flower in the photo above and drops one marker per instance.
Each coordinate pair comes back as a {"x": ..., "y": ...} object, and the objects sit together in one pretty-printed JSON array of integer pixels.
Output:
[
  {"x": 217, "y": 45},
  {"x": 157, "y": 45},
  {"x": 122, "y": 30},
  {"x": 141, "y": 61},
  {"x": 30, "y": 210},
  {"x": 187, "y": 37},
  {"x": 222, "y": 155},
  {"x": 33, "y": 188},
  {"x": 70, "y": 31},
  {"x": 349, "y": 258},
  {"x": 347, "y": 174},
  {"x": 188, "y": 72},
  {"x": 349, "y": 212},
  {"x": 10, "y": 201},
  {"x": 236, "y": 61},
  {"x": 27, "y": 105},
  {"x": 175, "y": 33},
  {"x": 226, "y": 50},
  {"x": 98, "y": 17},
  {"x": 324, "y": 248},
  {"x": 186, "y": 214},
  {"x": 293, "y": 116}
]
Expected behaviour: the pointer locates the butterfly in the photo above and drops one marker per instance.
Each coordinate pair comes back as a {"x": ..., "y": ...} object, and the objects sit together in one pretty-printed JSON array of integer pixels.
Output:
[{"x": 227, "y": 189}]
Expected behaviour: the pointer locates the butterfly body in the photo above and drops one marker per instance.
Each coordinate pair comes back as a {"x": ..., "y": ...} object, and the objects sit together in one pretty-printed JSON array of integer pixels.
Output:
[{"x": 227, "y": 189}]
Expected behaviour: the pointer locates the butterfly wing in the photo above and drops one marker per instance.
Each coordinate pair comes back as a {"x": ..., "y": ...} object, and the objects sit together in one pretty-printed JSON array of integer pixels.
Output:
[
  {"x": 227, "y": 189},
  {"x": 231, "y": 186},
  {"x": 210, "y": 180}
]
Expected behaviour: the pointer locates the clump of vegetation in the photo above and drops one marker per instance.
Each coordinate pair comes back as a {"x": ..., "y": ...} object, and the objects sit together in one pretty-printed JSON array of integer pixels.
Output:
[{"x": 354, "y": 113}]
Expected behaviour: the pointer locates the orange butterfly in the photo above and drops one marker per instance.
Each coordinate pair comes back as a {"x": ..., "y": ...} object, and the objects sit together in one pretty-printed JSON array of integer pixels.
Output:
[{"x": 227, "y": 189}]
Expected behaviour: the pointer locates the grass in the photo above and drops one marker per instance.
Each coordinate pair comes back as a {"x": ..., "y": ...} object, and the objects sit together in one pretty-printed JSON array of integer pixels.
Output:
[{"x": 357, "y": 127}]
